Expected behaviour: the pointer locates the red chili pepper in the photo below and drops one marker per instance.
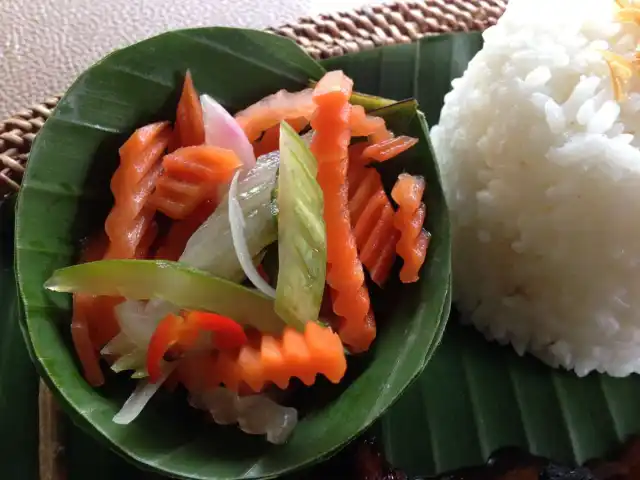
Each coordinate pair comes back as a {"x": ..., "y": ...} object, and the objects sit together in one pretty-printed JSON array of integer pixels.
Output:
[
  {"x": 228, "y": 333},
  {"x": 183, "y": 333},
  {"x": 166, "y": 334}
]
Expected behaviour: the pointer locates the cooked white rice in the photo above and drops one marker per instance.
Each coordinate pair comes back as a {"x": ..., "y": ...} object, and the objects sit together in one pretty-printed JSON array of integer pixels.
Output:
[{"x": 541, "y": 167}]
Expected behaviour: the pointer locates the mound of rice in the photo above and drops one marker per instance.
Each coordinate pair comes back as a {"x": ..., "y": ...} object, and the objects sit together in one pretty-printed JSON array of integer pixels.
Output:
[{"x": 541, "y": 167}]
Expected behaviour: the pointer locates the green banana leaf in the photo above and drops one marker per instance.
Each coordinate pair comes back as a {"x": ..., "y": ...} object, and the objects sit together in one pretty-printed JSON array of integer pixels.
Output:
[
  {"x": 18, "y": 379},
  {"x": 476, "y": 396},
  {"x": 65, "y": 196}
]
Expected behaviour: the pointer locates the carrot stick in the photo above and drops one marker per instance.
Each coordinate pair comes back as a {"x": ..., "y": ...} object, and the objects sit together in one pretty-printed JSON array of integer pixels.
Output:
[
  {"x": 270, "y": 141},
  {"x": 345, "y": 274},
  {"x": 81, "y": 338},
  {"x": 409, "y": 221},
  {"x": 271, "y": 110},
  {"x": 363, "y": 125},
  {"x": 389, "y": 148},
  {"x": 83, "y": 306},
  {"x": 189, "y": 127}
]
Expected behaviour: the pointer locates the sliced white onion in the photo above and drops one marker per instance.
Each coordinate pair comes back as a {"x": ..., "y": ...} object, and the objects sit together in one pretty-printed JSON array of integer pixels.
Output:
[
  {"x": 140, "y": 397},
  {"x": 222, "y": 130},
  {"x": 135, "y": 323},
  {"x": 236, "y": 222},
  {"x": 129, "y": 361},
  {"x": 119, "y": 345}
]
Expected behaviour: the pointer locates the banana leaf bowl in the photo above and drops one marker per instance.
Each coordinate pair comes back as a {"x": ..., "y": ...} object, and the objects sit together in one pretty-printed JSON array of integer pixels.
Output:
[{"x": 66, "y": 196}]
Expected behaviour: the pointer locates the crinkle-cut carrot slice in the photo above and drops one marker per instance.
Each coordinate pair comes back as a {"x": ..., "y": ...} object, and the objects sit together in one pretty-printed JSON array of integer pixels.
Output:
[
  {"x": 146, "y": 242},
  {"x": 409, "y": 190},
  {"x": 355, "y": 305},
  {"x": 271, "y": 110},
  {"x": 139, "y": 154},
  {"x": 228, "y": 369},
  {"x": 388, "y": 149},
  {"x": 198, "y": 372},
  {"x": 101, "y": 320},
  {"x": 372, "y": 219},
  {"x": 333, "y": 90},
  {"x": 191, "y": 176},
  {"x": 363, "y": 194},
  {"x": 324, "y": 346},
  {"x": 172, "y": 246},
  {"x": 87, "y": 343},
  {"x": 270, "y": 141},
  {"x": 126, "y": 245},
  {"x": 363, "y": 125},
  {"x": 380, "y": 270},
  {"x": 273, "y": 360},
  {"x": 82, "y": 343},
  {"x": 378, "y": 236},
  {"x": 409, "y": 221},
  {"x": 175, "y": 208},
  {"x": 351, "y": 333},
  {"x": 298, "y": 357},
  {"x": 345, "y": 274},
  {"x": 132, "y": 185},
  {"x": 189, "y": 126},
  {"x": 251, "y": 368},
  {"x": 276, "y": 360},
  {"x": 203, "y": 163},
  {"x": 356, "y": 172},
  {"x": 368, "y": 219},
  {"x": 129, "y": 203}
]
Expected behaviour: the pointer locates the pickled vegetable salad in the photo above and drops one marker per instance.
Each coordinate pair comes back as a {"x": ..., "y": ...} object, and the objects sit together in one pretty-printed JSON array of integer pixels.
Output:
[{"x": 195, "y": 306}]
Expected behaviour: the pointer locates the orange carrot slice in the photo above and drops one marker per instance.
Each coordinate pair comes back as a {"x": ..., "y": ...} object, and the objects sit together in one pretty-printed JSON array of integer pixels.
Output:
[
  {"x": 268, "y": 359},
  {"x": 390, "y": 148},
  {"x": 373, "y": 226},
  {"x": 198, "y": 372},
  {"x": 172, "y": 246},
  {"x": 191, "y": 176},
  {"x": 81, "y": 338},
  {"x": 270, "y": 141},
  {"x": 141, "y": 152},
  {"x": 132, "y": 184},
  {"x": 85, "y": 344},
  {"x": 345, "y": 274},
  {"x": 363, "y": 125},
  {"x": 189, "y": 127},
  {"x": 204, "y": 163},
  {"x": 356, "y": 171},
  {"x": 271, "y": 110},
  {"x": 380, "y": 268},
  {"x": 409, "y": 221},
  {"x": 363, "y": 193}
]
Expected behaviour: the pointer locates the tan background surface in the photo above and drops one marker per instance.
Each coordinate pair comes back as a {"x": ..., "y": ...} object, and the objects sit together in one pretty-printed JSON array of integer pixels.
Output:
[{"x": 44, "y": 44}]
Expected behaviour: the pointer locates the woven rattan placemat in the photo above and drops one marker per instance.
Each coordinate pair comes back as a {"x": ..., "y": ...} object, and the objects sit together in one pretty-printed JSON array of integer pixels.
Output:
[{"x": 322, "y": 37}]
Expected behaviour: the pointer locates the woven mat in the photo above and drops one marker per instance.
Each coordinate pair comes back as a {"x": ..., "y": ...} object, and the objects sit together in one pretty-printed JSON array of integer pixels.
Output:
[{"x": 322, "y": 37}]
